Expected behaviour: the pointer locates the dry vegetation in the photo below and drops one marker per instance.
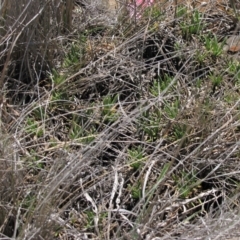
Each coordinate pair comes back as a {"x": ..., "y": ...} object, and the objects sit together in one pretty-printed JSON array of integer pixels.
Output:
[{"x": 118, "y": 128}]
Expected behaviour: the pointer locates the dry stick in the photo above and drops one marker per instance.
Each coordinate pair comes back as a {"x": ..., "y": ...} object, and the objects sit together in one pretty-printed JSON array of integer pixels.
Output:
[
  {"x": 68, "y": 15},
  {"x": 6, "y": 64},
  {"x": 5, "y": 68},
  {"x": 233, "y": 6}
]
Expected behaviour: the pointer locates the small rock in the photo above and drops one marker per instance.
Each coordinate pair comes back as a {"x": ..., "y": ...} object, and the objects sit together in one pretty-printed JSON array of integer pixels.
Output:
[
  {"x": 234, "y": 43},
  {"x": 232, "y": 47}
]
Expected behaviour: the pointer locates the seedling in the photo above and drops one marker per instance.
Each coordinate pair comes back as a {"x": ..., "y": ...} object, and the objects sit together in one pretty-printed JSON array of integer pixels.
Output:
[
  {"x": 216, "y": 80},
  {"x": 136, "y": 157},
  {"x": 29, "y": 203},
  {"x": 75, "y": 131},
  {"x": 150, "y": 123},
  {"x": 90, "y": 215},
  {"x": 201, "y": 56},
  {"x": 179, "y": 131},
  {"x": 198, "y": 83},
  {"x": 196, "y": 23},
  {"x": 234, "y": 69},
  {"x": 39, "y": 113},
  {"x": 57, "y": 78},
  {"x": 109, "y": 111},
  {"x": 57, "y": 99},
  {"x": 73, "y": 56},
  {"x": 88, "y": 138},
  {"x": 171, "y": 109},
  {"x": 136, "y": 190},
  {"x": 33, "y": 128},
  {"x": 79, "y": 133},
  {"x": 90, "y": 219},
  {"x": 185, "y": 182},
  {"x": 192, "y": 25},
  {"x": 160, "y": 85},
  {"x": 34, "y": 161},
  {"x": 177, "y": 46},
  {"x": 153, "y": 13},
  {"x": 181, "y": 11},
  {"x": 213, "y": 46},
  {"x": 150, "y": 193},
  {"x": 231, "y": 97}
]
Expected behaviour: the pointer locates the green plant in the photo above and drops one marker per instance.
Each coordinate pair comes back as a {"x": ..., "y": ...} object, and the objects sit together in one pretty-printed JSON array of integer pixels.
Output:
[
  {"x": 181, "y": 11},
  {"x": 160, "y": 85},
  {"x": 192, "y": 24},
  {"x": 150, "y": 123},
  {"x": 216, "y": 80},
  {"x": 109, "y": 111},
  {"x": 233, "y": 68},
  {"x": 179, "y": 131},
  {"x": 201, "y": 56},
  {"x": 75, "y": 130},
  {"x": 33, "y": 128},
  {"x": 231, "y": 97},
  {"x": 57, "y": 96},
  {"x": 28, "y": 202},
  {"x": 198, "y": 83},
  {"x": 57, "y": 78},
  {"x": 136, "y": 190},
  {"x": 80, "y": 133},
  {"x": 171, "y": 109},
  {"x": 213, "y": 46},
  {"x": 90, "y": 215},
  {"x": 136, "y": 157},
  {"x": 34, "y": 161},
  {"x": 73, "y": 56},
  {"x": 185, "y": 182},
  {"x": 146, "y": 209},
  {"x": 39, "y": 113},
  {"x": 177, "y": 47},
  {"x": 154, "y": 13},
  {"x": 59, "y": 93}
]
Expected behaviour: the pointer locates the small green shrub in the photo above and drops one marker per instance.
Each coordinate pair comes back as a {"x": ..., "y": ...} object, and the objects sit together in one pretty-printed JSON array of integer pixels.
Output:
[
  {"x": 136, "y": 190},
  {"x": 34, "y": 128},
  {"x": 39, "y": 113},
  {"x": 185, "y": 182},
  {"x": 80, "y": 133},
  {"x": 213, "y": 46},
  {"x": 150, "y": 123},
  {"x": 74, "y": 55},
  {"x": 171, "y": 109},
  {"x": 160, "y": 85},
  {"x": 181, "y": 11},
  {"x": 179, "y": 131},
  {"x": 201, "y": 56},
  {"x": 191, "y": 24},
  {"x": 233, "y": 68},
  {"x": 57, "y": 78},
  {"x": 109, "y": 111},
  {"x": 216, "y": 80},
  {"x": 136, "y": 157}
]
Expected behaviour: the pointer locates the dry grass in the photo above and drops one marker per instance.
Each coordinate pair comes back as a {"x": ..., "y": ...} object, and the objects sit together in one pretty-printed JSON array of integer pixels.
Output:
[{"x": 128, "y": 131}]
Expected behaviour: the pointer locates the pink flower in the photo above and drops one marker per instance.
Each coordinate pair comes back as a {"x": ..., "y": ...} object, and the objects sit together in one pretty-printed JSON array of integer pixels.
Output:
[
  {"x": 137, "y": 6},
  {"x": 144, "y": 3}
]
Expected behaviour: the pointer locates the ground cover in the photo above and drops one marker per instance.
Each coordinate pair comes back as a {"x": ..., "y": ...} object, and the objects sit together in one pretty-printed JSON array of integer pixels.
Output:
[{"x": 130, "y": 132}]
